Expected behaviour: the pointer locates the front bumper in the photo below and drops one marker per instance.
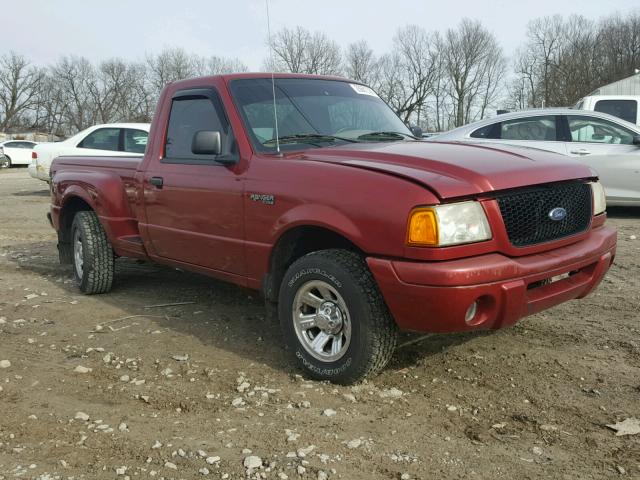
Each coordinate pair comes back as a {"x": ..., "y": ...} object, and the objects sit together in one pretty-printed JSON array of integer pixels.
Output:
[{"x": 435, "y": 296}]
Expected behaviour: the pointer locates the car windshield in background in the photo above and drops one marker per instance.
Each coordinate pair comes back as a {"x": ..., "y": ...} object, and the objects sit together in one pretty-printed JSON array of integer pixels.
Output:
[{"x": 313, "y": 112}]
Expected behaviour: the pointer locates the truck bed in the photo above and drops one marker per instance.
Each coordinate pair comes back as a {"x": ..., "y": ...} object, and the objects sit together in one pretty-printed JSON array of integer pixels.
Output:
[{"x": 111, "y": 163}]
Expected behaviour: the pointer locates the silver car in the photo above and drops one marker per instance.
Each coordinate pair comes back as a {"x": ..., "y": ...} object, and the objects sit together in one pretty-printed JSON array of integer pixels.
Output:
[{"x": 606, "y": 143}]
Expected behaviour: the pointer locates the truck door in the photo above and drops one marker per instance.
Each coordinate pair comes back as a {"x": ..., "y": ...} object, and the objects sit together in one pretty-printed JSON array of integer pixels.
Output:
[{"x": 193, "y": 201}]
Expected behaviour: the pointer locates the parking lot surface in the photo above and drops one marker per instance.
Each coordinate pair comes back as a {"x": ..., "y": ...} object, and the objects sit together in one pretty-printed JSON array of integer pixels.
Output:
[{"x": 123, "y": 384}]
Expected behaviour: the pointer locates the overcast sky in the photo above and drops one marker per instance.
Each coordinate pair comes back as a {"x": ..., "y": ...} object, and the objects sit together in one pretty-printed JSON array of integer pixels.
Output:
[{"x": 45, "y": 29}]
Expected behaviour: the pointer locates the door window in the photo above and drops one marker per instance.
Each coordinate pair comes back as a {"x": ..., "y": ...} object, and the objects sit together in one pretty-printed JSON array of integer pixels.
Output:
[
  {"x": 102, "y": 139},
  {"x": 597, "y": 130},
  {"x": 188, "y": 116},
  {"x": 539, "y": 128},
  {"x": 135, "y": 141},
  {"x": 624, "y": 109},
  {"x": 529, "y": 128}
]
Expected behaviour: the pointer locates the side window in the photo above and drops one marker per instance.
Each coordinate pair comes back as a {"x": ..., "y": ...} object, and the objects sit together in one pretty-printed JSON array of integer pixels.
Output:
[
  {"x": 597, "y": 130},
  {"x": 529, "y": 128},
  {"x": 188, "y": 116},
  {"x": 102, "y": 139},
  {"x": 12, "y": 145},
  {"x": 135, "y": 141},
  {"x": 624, "y": 109},
  {"x": 488, "y": 131}
]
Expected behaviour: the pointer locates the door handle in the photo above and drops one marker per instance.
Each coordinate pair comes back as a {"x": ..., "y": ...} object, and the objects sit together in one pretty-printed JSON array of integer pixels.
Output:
[
  {"x": 158, "y": 182},
  {"x": 580, "y": 151}
]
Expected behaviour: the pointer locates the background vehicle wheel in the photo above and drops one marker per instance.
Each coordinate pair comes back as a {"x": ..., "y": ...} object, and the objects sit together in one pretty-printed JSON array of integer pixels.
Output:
[
  {"x": 8, "y": 163},
  {"x": 93, "y": 259},
  {"x": 334, "y": 318}
]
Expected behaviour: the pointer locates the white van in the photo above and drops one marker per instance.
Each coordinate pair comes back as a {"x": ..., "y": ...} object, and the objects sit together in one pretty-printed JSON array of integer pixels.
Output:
[{"x": 621, "y": 106}]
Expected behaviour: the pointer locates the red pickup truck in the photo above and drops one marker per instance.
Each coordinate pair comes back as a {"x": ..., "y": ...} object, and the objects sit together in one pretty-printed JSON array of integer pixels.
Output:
[{"x": 313, "y": 191}]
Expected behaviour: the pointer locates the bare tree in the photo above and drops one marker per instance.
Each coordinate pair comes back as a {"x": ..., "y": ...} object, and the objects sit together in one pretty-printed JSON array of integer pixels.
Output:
[
  {"x": 49, "y": 112},
  {"x": 565, "y": 59},
  {"x": 19, "y": 86},
  {"x": 406, "y": 76},
  {"x": 619, "y": 46},
  {"x": 76, "y": 78},
  {"x": 473, "y": 64},
  {"x": 360, "y": 63},
  {"x": 439, "y": 101},
  {"x": 300, "y": 51},
  {"x": 215, "y": 65},
  {"x": 168, "y": 66}
]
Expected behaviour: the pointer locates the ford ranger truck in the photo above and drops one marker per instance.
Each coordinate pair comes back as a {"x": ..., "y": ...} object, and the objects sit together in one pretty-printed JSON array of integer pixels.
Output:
[{"x": 311, "y": 190}]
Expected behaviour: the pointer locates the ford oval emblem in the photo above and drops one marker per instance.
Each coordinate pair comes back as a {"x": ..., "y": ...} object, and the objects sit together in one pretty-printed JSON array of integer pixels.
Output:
[{"x": 558, "y": 214}]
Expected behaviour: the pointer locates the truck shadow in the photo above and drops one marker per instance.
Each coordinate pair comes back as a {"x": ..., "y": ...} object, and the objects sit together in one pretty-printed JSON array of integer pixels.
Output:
[
  {"x": 32, "y": 193},
  {"x": 217, "y": 313},
  {"x": 623, "y": 212}
]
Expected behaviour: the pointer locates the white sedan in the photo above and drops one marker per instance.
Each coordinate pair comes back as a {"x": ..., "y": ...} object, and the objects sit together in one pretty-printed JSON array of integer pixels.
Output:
[
  {"x": 606, "y": 143},
  {"x": 16, "y": 152},
  {"x": 113, "y": 139}
]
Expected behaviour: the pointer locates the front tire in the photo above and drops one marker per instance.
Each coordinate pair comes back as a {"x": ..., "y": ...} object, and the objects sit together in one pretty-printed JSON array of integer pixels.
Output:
[
  {"x": 93, "y": 259},
  {"x": 334, "y": 318}
]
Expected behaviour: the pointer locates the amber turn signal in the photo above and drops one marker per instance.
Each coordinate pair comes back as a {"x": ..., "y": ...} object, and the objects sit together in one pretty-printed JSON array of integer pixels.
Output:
[{"x": 423, "y": 228}]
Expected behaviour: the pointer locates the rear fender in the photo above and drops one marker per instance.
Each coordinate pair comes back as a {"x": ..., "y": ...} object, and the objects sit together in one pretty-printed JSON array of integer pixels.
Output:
[{"x": 104, "y": 193}]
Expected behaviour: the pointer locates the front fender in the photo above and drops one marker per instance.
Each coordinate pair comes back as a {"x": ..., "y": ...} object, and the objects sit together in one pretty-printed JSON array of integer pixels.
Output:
[{"x": 317, "y": 215}]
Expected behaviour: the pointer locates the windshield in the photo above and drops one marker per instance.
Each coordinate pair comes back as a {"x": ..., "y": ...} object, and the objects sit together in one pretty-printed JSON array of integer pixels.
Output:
[{"x": 313, "y": 112}]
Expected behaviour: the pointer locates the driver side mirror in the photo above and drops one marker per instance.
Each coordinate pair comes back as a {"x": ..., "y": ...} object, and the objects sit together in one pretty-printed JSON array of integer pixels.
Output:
[
  {"x": 206, "y": 142},
  {"x": 416, "y": 131},
  {"x": 636, "y": 140}
]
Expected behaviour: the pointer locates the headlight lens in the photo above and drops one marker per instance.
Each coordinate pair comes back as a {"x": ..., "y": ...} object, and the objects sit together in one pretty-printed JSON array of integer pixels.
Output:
[
  {"x": 599, "y": 198},
  {"x": 449, "y": 224}
]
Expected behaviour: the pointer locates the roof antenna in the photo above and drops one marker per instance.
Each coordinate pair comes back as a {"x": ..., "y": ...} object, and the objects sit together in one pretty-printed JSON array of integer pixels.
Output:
[{"x": 273, "y": 81}]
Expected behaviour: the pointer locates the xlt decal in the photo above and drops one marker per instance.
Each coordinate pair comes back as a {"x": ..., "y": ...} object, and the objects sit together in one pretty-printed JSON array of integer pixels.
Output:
[{"x": 262, "y": 197}]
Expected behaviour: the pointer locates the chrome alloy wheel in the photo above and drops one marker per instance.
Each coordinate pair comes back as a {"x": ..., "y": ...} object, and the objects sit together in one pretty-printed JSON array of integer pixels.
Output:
[
  {"x": 78, "y": 255},
  {"x": 321, "y": 321}
]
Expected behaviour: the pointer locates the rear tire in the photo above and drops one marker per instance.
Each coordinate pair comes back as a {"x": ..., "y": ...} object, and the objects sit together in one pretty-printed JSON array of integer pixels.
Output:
[
  {"x": 93, "y": 258},
  {"x": 334, "y": 318}
]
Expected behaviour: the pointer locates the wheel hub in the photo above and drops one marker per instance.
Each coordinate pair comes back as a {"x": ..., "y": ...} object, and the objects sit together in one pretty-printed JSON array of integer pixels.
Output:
[
  {"x": 329, "y": 318},
  {"x": 321, "y": 321},
  {"x": 78, "y": 255}
]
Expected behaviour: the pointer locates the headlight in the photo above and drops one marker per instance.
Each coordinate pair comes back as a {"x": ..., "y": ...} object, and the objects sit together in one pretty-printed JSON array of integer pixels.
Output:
[
  {"x": 599, "y": 198},
  {"x": 449, "y": 224}
]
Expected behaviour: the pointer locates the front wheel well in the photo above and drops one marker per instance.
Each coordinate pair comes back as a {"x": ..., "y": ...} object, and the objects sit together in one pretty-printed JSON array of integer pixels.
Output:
[{"x": 296, "y": 243}]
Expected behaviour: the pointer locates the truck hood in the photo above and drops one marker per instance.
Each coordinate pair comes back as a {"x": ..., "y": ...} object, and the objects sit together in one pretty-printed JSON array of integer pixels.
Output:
[{"x": 455, "y": 169}]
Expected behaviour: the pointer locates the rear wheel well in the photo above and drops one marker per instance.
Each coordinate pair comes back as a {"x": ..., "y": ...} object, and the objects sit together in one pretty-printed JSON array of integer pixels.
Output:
[
  {"x": 296, "y": 243},
  {"x": 67, "y": 214}
]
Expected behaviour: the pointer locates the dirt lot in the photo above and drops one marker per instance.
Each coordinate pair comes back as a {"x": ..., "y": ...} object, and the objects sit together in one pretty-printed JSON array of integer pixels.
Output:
[{"x": 186, "y": 391}]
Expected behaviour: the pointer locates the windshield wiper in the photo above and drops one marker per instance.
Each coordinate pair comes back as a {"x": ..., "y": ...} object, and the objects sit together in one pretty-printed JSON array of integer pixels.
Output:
[
  {"x": 386, "y": 135},
  {"x": 310, "y": 138}
]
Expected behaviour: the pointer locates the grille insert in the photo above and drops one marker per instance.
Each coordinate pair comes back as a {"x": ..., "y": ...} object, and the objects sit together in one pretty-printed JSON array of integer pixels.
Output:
[{"x": 526, "y": 213}]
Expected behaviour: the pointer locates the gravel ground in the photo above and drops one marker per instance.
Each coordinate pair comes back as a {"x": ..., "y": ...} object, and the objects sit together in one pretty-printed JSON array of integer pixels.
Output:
[{"x": 110, "y": 387}]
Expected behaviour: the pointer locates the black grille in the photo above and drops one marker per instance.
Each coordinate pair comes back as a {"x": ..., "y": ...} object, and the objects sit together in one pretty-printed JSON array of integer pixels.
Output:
[{"x": 526, "y": 213}]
